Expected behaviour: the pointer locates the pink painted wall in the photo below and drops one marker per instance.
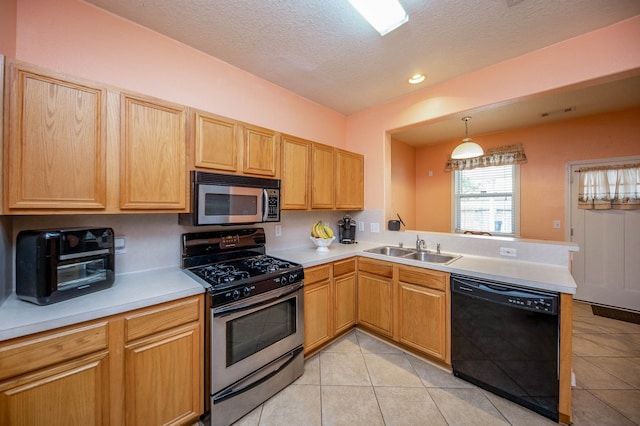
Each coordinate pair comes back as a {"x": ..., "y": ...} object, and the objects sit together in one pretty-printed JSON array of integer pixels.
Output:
[
  {"x": 549, "y": 148},
  {"x": 600, "y": 54},
  {"x": 8, "y": 10},
  {"x": 74, "y": 37},
  {"x": 403, "y": 183}
]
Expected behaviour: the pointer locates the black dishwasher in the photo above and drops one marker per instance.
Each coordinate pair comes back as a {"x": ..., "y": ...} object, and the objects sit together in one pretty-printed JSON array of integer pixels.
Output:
[{"x": 505, "y": 339}]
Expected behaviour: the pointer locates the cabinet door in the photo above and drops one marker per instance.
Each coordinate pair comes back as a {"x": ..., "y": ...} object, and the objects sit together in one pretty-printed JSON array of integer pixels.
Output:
[
  {"x": 70, "y": 393},
  {"x": 153, "y": 148},
  {"x": 375, "y": 302},
  {"x": 322, "y": 177},
  {"x": 260, "y": 151},
  {"x": 56, "y": 378},
  {"x": 163, "y": 377},
  {"x": 318, "y": 307},
  {"x": 295, "y": 173},
  {"x": 345, "y": 302},
  {"x": 349, "y": 180},
  {"x": 215, "y": 142},
  {"x": 422, "y": 319},
  {"x": 55, "y": 155}
]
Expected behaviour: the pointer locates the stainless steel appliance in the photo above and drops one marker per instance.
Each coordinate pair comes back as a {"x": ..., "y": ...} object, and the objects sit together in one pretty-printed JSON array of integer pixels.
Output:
[
  {"x": 219, "y": 199},
  {"x": 255, "y": 326},
  {"x": 53, "y": 265},
  {"x": 505, "y": 339},
  {"x": 347, "y": 230}
]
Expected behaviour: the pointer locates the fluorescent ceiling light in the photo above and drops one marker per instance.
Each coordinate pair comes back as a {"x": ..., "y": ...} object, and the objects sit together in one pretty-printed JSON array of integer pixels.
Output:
[{"x": 383, "y": 15}]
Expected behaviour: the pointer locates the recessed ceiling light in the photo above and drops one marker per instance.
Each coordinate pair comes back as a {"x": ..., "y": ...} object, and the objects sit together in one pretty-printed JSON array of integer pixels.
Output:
[
  {"x": 416, "y": 78},
  {"x": 383, "y": 15}
]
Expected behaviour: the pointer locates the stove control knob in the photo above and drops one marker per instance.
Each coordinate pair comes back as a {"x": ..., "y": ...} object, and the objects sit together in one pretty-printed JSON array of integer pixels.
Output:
[
  {"x": 235, "y": 294},
  {"x": 292, "y": 278},
  {"x": 246, "y": 291}
]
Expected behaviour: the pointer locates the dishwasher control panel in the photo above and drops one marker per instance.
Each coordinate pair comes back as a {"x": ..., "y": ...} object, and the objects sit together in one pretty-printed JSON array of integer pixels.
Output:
[
  {"x": 506, "y": 294},
  {"x": 537, "y": 303}
]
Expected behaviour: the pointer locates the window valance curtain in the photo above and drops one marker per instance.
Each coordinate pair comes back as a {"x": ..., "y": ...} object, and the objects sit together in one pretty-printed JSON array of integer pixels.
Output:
[
  {"x": 610, "y": 187},
  {"x": 500, "y": 156}
]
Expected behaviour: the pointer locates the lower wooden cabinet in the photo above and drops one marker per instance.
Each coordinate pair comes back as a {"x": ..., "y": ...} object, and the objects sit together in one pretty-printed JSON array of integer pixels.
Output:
[
  {"x": 329, "y": 302},
  {"x": 344, "y": 295},
  {"x": 139, "y": 368},
  {"x": 406, "y": 304},
  {"x": 318, "y": 326},
  {"x": 423, "y": 311},
  {"x": 375, "y": 296}
]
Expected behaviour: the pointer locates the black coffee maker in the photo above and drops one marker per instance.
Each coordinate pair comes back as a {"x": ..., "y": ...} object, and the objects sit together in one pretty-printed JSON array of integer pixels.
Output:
[{"x": 347, "y": 230}]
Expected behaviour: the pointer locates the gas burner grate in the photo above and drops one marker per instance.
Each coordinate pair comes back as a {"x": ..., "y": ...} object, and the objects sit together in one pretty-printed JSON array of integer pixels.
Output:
[
  {"x": 266, "y": 264},
  {"x": 220, "y": 274}
]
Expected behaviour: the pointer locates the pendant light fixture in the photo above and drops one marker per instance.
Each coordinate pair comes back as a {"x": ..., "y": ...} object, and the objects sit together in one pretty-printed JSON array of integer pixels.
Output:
[{"x": 468, "y": 148}]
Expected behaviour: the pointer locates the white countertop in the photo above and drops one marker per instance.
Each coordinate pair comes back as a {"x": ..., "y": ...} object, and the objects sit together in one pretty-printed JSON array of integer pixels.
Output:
[
  {"x": 533, "y": 275},
  {"x": 129, "y": 292},
  {"x": 147, "y": 288}
]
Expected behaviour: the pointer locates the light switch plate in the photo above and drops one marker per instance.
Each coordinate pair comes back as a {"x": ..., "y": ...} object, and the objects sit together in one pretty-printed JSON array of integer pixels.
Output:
[
  {"x": 510, "y": 252},
  {"x": 120, "y": 244}
]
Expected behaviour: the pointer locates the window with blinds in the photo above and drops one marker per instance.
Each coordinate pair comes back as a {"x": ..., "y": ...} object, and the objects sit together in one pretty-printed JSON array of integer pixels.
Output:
[{"x": 486, "y": 200}]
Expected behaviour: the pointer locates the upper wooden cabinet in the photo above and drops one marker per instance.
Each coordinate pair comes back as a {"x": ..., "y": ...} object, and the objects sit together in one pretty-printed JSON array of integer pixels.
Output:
[
  {"x": 317, "y": 176},
  {"x": 322, "y": 177},
  {"x": 55, "y": 153},
  {"x": 152, "y": 155},
  {"x": 228, "y": 146},
  {"x": 295, "y": 173},
  {"x": 215, "y": 142},
  {"x": 260, "y": 151},
  {"x": 77, "y": 147},
  {"x": 349, "y": 172}
]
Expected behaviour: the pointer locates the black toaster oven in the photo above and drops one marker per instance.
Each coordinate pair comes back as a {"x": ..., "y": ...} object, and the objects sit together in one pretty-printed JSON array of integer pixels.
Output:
[{"x": 53, "y": 265}]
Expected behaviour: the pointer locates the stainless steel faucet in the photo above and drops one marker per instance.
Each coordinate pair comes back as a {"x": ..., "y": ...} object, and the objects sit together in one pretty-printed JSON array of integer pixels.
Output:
[
  {"x": 420, "y": 244},
  {"x": 438, "y": 248}
]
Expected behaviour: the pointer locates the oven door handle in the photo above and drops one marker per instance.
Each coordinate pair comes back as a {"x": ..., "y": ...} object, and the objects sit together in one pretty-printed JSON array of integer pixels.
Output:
[
  {"x": 246, "y": 384},
  {"x": 257, "y": 301}
]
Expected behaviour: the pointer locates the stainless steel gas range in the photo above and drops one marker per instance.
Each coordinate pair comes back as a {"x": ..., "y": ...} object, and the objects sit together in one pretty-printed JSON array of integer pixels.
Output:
[{"x": 255, "y": 327}]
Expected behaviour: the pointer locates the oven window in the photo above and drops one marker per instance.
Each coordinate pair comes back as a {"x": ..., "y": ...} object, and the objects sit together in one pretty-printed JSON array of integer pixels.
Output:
[
  {"x": 251, "y": 333},
  {"x": 82, "y": 273},
  {"x": 230, "y": 205}
]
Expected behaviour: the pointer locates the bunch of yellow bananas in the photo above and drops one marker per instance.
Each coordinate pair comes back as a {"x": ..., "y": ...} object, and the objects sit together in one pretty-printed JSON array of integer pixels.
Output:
[{"x": 318, "y": 230}]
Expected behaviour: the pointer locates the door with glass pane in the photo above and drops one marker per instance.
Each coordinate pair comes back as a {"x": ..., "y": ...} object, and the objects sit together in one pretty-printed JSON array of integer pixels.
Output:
[{"x": 606, "y": 269}]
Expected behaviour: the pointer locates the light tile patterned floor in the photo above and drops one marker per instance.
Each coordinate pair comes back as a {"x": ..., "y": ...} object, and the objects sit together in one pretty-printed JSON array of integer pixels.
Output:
[{"x": 360, "y": 380}]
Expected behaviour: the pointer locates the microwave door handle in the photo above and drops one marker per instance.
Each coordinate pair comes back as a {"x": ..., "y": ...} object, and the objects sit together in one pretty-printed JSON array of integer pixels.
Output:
[{"x": 265, "y": 205}]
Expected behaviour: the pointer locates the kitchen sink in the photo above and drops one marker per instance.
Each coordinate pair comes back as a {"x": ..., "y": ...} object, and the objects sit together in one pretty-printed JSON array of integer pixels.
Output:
[
  {"x": 390, "y": 251},
  {"x": 432, "y": 257},
  {"x": 411, "y": 254}
]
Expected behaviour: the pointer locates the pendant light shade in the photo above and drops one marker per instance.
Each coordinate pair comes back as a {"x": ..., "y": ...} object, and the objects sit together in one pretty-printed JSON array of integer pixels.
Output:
[{"x": 468, "y": 148}]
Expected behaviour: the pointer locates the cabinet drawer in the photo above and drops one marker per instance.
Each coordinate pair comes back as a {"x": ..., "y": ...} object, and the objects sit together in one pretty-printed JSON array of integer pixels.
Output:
[
  {"x": 317, "y": 273},
  {"x": 31, "y": 353},
  {"x": 423, "y": 277},
  {"x": 163, "y": 317},
  {"x": 376, "y": 267},
  {"x": 344, "y": 267}
]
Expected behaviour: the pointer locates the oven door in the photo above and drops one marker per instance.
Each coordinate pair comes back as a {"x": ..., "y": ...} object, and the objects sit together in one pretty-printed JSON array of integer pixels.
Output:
[
  {"x": 252, "y": 333},
  {"x": 220, "y": 204}
]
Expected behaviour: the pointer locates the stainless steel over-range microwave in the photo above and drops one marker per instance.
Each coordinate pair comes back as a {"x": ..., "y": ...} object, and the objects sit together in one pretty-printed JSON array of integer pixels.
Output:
[{"x": 219, "y": 199}]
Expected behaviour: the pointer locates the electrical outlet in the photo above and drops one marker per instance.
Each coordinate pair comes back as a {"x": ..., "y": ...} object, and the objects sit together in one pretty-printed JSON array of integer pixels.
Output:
[
  {"x": 511, "y": 252},
  {"x": 120, "y": 244},
  {"x": 375, "y": 227},
  {"x": 278, "y": 230},
  {"x": 361, "y": 226},
  {"x": 556, "y": 224}
]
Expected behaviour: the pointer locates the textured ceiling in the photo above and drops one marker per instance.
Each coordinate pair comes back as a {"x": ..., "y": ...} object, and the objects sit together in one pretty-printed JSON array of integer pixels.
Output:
[{"x": 324, "y": 51}]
